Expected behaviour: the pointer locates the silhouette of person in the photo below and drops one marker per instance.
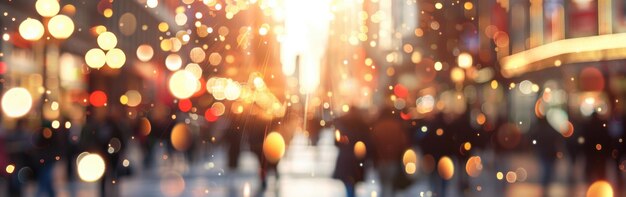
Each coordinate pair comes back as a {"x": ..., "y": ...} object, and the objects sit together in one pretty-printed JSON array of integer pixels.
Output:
[
  {"x": 349, "y": 168},
  {"x": 597, "y": 148},
  {"x": 389, "y": 143}
]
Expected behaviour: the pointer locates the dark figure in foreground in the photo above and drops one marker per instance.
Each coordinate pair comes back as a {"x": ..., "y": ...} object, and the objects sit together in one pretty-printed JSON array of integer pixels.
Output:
[
  {"x": 548, "y": 142},
  {"x": 597, "y": 148},
  {"x": 350, "y": 169},
  {"x": 389, "y": 145}
]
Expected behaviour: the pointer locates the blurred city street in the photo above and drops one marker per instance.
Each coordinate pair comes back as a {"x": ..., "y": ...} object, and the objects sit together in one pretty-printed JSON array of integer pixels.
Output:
[
  {"x": 313, "y": 98},
  {"x": 305, "y": 174}
]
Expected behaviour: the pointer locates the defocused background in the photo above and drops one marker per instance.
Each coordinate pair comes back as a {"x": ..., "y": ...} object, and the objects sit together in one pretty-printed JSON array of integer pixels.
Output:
[{"x": 312, "y": 98}]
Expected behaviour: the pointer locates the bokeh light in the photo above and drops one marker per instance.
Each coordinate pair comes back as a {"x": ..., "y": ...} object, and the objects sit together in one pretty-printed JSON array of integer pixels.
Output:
[
  {"x": 197, "y": 55},
  {"x": 474, "y": 166},
  {"x": 128, "y": 24},
  {"x": 410, "y": 168},
  {"x": 47, "y": 8},
  {"x": 173, "y": 62},
  {"x": 145, "y": 52},
  {"x": 134, "y": 98},
  {"x": 287, "y": 81},
  {"x": 195, "y": 69},
  {"x": 465, "y": 60},
  {"x": 409, "y": 156},
  {"x": 10, "y": 168},
  {"x": 600, "y": 189},
  {"x": 183, "y": 84},
  {"x": 457, "y": 75},
  {"x": 90, "y": 167},
  {"x": 31, "y": 29},
  {"x": 218, "y": 108},
  {"x": 184, "y": 105},
  {"x": 16, "y": 102},
  {"x": 215, "y": 59},
  {"x": 115, "y": 58},
  {"x": 591, "y": 79},
  {"x": 95, "y": 58},
  {"x": 152, "y": 3},
  {"x": 61, "y": 26},
  {"x": 511, "y": 177},
  {"x": 360, "y": 150},
  {"x": 445, "y": 167},
  {"x": 98, "y": 98},
  {"x": 232, "y": 91},
  {"x": 181, "y": 137},
  {"x": 144, "y": 126},
  {"x": 210, "y": 115},
  {"x": 274, "y": 147},
  {"x": 172, "y": 184},
  {"x": 107, "y": 41}
]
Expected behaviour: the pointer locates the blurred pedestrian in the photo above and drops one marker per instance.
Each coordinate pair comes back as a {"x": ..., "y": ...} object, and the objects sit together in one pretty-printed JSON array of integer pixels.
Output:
[
  {"x": 255, "y": 129},
  {"x": 597, "y": 148},
  {"x": 352, "y": 129},
  {"x": 389, "y": 143},
  {"x": 17, "y": 147},
  {"x": 313, "y": 126},
  {"x": 48, "y": 150},
  {"x": 103, "y": 135},
  {"x": 548, "y": 143},
  {"x": 234, "y": 136}
]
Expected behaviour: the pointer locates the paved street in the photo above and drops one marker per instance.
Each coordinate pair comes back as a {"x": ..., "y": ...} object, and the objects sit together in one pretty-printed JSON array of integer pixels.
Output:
[{"x": 305, "y": 171}]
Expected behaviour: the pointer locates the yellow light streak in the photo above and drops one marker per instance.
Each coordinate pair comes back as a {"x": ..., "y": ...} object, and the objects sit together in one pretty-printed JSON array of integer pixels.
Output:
[{"x": 522, "y": 62}]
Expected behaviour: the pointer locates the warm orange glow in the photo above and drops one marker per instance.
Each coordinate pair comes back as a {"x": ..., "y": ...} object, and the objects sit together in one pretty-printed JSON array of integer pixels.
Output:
[
  {"x": 274, "y": 147},
  {"x": 360, "y": 150},
  {"x": 10, "y": 168},
  {"x": 445, "y": 167},
  {"x": 181, "y": 137},
  {"x": 600, "y": 189},
  {"x": 409, "y": 156},
  {"x": 145, "y": 52},
  {"x": 474, "y": 166},
  {"x": 511, "y": 177},
  {"x": 144, "y": 126},
  {"x": 519, "y": 63}
]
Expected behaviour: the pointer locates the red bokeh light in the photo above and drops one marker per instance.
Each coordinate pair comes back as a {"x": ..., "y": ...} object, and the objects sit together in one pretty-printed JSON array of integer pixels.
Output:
[
  {"x": 184, "y": 105},
  {"x": 400, "y": 91},
  {"x": 591, "y": 79},
  {"x": 405, "y": 116},
  {"x": 98, "y": 98},
  {"x": 3, "y": 67},
  {"x": 210, "y": 116}
]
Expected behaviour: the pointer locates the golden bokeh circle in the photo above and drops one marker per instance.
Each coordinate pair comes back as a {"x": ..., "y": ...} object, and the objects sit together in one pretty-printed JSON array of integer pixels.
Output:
[
  {"x": 95, "y": 58},
  {"x": 107, "y": 41},
  {"x": 115, "y": 58},
  {"x": 61, "y": 26},
  {"x": 445, "y": 167},
  {"x": 47, "y": 8},
  {"x": 16, "y": 102},
  {"x": 31, "y": 29},
  {"x": 90, "y": 167},
  {"x": 183, "y": 84},
  {"x": 181, "y": 137},
  {"x": 274, "y": 147}
]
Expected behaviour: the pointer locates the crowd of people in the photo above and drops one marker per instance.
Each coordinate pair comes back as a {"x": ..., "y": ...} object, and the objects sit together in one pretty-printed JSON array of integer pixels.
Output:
[{"x": 33, "y": 149}]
